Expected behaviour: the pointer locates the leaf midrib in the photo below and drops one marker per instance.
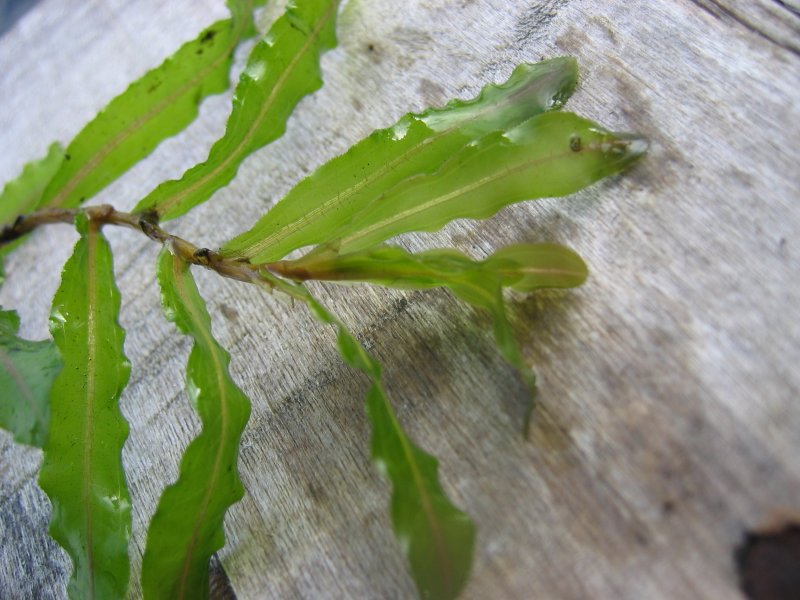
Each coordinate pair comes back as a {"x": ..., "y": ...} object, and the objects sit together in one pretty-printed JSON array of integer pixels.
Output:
[
  {"x": 388, "y": 277},
  {"x": 91, "y": 372}
]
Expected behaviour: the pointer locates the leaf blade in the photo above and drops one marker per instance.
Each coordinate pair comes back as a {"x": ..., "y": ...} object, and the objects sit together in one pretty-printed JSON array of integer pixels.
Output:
[
  {"x": 418, "y": 143},
  {"x": 436, "y": 537},
  {"x": 157, "y": 106},
  {"x": 187, "y": 526},
  {"x": 553, "y": 154},
  {"x": 282, "y": 68},
  {"x": 23, "y": 194},
  {"x": 523, "y": 267},
  {"x": 27, "y": 371},
  {"x": 82, "y": 471}
]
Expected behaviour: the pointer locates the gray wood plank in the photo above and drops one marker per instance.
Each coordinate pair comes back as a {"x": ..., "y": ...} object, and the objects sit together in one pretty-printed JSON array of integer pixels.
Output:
[{"x": 668, "y": 422}]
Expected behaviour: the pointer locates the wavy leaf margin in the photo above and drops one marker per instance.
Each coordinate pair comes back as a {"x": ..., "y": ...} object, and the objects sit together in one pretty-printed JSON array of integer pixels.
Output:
[
  {"x": 417, "y": 144},
  {"x": 282, "y": 69},
  {"x": 187, "y": 526},
  {"x": 82, "y": 472},
  {"x": 158, "y": 105}
]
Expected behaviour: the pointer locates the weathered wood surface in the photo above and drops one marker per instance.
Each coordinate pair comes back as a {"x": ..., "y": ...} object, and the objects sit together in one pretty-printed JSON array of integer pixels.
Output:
[{"x": 669, "y": 421}]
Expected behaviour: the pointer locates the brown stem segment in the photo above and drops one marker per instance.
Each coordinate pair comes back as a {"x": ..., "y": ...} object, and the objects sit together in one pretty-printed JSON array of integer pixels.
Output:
[{"x": 105, "y": 214}]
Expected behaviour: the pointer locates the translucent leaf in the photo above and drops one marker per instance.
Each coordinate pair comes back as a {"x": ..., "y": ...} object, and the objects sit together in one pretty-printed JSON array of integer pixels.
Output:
[
  {"x": 281, "y": 69},
  {"x": 523, "y": 267},
  {"x": 158, "y": 105},
  {"x": 27, "y": 371},
  {"x": 553, "y": 154},
  {"x": 436, "y": 537},
  {"x": 23, "y": 194},
  {"x": 417, "y": 144},
  {"x": 187, "y": 526},
  {"x": 82, "y": 471}
]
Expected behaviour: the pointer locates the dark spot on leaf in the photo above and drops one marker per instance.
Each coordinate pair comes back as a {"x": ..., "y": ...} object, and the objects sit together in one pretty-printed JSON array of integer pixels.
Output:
[
  {"x": 370, "y": 47},
  {"x": 67, "y": 157},
  {"x": 769, "y": 564},
  {"x": 154, "y": 86},
  {"x": 208, "y": 36},
  {"x": 575, "y": 143}
]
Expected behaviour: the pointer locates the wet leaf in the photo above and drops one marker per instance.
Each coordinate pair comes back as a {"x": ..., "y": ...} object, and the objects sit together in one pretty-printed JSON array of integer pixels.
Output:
[
  {"x": 27, "y": 371},
  {"x": 522, "y": 267},
  {"x": 187, "y": 526},
  {"x": 281, "y": 70},
  {"x": 82, "y": 472},
  {"x": 436, "y": 537},
  {"x": 156, "y": 106},
  {"x": 553, "y": 154},
  {"x": 418, "y": 144}
]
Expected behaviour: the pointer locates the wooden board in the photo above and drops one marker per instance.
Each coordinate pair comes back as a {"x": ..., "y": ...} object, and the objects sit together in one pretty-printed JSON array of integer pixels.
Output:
[{"x": 669, "y": 421}]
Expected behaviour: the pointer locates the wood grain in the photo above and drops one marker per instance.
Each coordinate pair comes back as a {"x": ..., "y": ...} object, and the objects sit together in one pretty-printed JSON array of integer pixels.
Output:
[{"x": 669, "y": 422}]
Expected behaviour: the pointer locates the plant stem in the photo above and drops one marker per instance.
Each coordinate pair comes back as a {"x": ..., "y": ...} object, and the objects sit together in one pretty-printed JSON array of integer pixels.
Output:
[{"x": 104, "y": 214}]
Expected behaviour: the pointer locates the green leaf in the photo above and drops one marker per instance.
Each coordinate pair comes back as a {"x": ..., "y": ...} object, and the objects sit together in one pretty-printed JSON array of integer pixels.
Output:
[
  {"x": 282, "y": 68},
  {"x": 187, "y": 526},
  {"x": 523, "y": 267},
  {"x": 417, "y": 144},
  {"x": 27, "y": 371},
  {"x": 23, "y": 194},
  {"x": 436, "y": 537},
  {"x": 158, "y": 105},
  {"x": 82, "y": 471},
  {"x": 553, "y": 154}
]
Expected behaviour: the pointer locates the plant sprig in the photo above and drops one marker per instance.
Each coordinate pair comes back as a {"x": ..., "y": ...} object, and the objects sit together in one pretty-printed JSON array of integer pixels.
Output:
[{"x": 468, "y": 159}]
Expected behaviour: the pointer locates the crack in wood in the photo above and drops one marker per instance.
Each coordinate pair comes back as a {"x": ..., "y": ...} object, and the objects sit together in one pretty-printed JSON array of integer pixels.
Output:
[{"x": 722, "y": 10}]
